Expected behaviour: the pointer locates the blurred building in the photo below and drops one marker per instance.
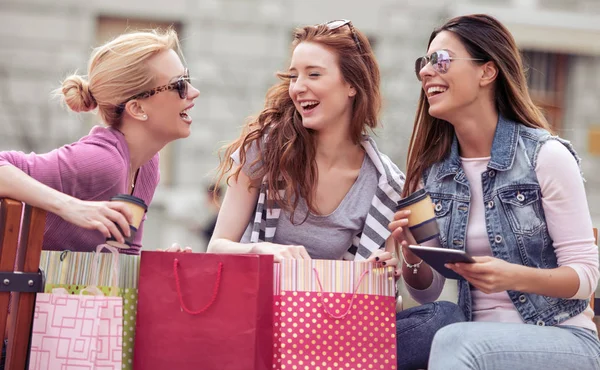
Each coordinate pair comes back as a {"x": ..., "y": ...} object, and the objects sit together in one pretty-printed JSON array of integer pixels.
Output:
[{"x": 233, "y": 49}]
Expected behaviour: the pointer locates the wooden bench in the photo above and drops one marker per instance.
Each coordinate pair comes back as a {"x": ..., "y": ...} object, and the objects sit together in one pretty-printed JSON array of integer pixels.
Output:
[{"x": 21, "y": 236}]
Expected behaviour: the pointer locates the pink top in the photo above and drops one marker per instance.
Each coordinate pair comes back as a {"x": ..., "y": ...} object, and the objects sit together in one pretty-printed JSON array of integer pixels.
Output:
[
  {"x": 94, "y": 168},
  {"x": 569, "y": 226}
]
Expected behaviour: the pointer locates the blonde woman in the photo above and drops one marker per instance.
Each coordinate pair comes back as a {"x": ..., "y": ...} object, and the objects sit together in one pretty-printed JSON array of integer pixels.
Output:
[{"x": 141, "y": 90}]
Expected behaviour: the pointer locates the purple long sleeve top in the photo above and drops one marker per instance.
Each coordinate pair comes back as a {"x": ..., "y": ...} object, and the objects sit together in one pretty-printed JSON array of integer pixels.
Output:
[{"x": 94, "y": 168}]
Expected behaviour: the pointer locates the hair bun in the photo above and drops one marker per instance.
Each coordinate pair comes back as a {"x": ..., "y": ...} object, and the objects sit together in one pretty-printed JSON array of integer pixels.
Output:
[{"x": 77, "y": 94}]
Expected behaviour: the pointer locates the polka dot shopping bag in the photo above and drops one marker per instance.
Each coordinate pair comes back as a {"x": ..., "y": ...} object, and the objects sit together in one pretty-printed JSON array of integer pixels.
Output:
[{"x": 334, "y": 315}]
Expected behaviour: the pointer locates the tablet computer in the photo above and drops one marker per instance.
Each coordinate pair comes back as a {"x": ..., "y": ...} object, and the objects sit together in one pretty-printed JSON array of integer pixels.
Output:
[{"x": 438, "y": 257}]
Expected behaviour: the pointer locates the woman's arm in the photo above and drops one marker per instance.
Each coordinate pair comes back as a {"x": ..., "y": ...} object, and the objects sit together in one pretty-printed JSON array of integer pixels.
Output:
[
  {"x": 569, "y": 225},
  {"x": 101, "y": 216},
  {"x": 236, "y": 212},
  {"x": 234, "y": 216},
  {"x": 427, "y": 284},
  {"x": 56, "y": 181}
]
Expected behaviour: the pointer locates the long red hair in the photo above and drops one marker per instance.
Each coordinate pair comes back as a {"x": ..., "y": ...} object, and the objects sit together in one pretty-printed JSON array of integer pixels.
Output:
[{"x": 286, "y": 148}]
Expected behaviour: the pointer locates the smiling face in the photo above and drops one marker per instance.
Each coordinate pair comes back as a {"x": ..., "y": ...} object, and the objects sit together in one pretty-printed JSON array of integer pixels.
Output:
[
  {"x": 458, "y": 89},
  {"x": 167, "y": 112},
  {"x": 318, "y": 89}
]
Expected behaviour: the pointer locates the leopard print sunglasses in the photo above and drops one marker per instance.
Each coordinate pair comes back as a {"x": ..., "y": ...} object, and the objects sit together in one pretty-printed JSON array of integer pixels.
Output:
[{"x": 181, "y": 85}]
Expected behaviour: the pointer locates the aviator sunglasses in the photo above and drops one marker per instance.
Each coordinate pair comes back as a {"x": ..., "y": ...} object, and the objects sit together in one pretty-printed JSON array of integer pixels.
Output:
[
  {"x": 440, "y": 61},
  {"x": 181, "y": 85},
  {"x": 334, "y": 25}
]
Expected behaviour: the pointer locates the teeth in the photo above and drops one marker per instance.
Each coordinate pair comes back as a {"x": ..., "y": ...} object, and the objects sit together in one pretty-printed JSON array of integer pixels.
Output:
[
  {"x": 436, "y": 89},
  {"x": 304, "y": 104}
]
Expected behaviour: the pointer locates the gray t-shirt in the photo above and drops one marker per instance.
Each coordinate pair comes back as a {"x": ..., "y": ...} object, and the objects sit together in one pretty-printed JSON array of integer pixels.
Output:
[{"x": 326, "y": 236}]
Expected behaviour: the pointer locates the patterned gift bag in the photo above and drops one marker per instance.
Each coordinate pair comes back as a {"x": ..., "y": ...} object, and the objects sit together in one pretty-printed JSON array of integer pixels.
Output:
[
  {"x": 79, "y": 331},
  {"x": 76, "y": 332},
  {"x": 334, "y": 315},
  {"x": 73, "y": 271}
]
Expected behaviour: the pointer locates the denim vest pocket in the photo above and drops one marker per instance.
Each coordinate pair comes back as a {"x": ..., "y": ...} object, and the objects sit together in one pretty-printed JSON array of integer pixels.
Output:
[
  {"x": 522, "y": 209},
  {"x": 442, "y": 208}
]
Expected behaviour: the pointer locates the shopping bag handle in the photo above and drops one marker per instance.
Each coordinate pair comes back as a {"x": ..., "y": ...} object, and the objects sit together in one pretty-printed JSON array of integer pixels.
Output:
[
  {"x": 341, "y": 316},
  {"x": 92, "y": 288},
  {"x": 215, "y": 289}
]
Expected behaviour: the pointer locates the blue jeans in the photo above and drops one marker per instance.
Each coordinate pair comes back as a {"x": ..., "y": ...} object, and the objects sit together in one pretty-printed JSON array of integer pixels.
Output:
[
  {"x": 489, "y": 345},
  {"x": 415, "y": 328}
]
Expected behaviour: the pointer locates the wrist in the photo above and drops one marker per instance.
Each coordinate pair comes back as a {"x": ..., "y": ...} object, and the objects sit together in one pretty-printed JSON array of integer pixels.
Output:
[
  {"x": 409, "y": 264},
  {"x": 409, "y": 257},
  {"x": 60, "y": 203},
  {"x": 521, "y": 280}
]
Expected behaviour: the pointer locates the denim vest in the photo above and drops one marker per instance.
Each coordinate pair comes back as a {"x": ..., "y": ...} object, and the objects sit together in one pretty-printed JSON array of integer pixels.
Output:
[{"x": 514, "y": 216}]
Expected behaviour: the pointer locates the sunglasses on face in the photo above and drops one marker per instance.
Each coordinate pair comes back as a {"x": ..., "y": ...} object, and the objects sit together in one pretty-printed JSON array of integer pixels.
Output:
[
  {"x": 181, "y": 85},
  {"x": 440, "y": 61},
  {"x": 334, "y": 25}
]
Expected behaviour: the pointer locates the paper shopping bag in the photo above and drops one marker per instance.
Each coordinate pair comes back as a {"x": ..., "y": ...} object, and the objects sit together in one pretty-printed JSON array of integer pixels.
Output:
[
  {"x": 78, "y": 331},
  {"x": 204, "y": 311},
  {"x": 73, "y": 271},
  {"x": 130, "y": 298},
  {"x": 334, "y": 315}
]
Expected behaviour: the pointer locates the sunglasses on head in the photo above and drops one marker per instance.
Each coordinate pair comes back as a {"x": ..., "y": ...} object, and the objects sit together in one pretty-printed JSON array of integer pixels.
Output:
[
  {"x": 440, "y": 61},
  {"x": 334, "y": 25},
  {"x": 181, "y": 85}
]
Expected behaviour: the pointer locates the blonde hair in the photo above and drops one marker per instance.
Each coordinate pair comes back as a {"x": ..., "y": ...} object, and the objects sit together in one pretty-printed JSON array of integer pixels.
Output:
[{"x": 117, "y": 70}]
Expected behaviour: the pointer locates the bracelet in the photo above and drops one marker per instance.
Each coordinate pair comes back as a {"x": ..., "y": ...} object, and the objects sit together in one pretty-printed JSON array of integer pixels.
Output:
[{"x": 414, "y": 266}]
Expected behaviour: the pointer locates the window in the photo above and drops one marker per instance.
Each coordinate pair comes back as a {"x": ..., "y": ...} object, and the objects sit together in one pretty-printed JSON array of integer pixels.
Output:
[{"x": 546, "y": 78}]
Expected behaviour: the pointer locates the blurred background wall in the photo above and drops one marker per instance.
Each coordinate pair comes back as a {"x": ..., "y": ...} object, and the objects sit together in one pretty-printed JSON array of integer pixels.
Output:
[{"x": 233, "y": 49}]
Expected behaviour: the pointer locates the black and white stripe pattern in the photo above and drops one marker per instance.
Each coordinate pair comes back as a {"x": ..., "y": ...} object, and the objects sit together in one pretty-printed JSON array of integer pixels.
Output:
[{"x": 381, "y": 213}]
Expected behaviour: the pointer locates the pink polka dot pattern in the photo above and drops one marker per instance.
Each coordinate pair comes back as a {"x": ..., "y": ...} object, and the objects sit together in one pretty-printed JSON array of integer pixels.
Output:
[{"x": 308, "y": 337}]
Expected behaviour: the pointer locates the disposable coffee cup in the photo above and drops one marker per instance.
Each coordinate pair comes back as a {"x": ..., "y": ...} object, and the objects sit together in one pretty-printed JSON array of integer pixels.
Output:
[
  {"x": 421, "y": 221},
  {"x": 138, "y": 208}
]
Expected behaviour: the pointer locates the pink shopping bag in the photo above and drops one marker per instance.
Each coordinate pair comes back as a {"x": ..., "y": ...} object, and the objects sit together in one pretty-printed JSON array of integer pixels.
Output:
[
  {"x": 78, "y": 331},
  {"x": 334, "y": 315},
  {"x": 204, "y": 311}
]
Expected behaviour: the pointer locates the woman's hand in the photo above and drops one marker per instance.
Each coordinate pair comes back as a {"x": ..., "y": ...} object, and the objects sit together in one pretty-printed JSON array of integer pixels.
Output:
[
  {"x": 101, "y": 216},
  {"x": 399, "y": 228},
  {"x": 384, "y": 258},
  {"x": 489, "y": 274},
  {"x": 403, "y": 236},
  {"x": 280, "y": 251},
  {"x": 175, "y": 247},
  {"x": 387, "y": 257}
]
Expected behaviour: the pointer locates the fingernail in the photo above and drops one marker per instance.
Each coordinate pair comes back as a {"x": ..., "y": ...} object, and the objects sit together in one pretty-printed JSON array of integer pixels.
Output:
[
  {"x": 383, "y": 263},
  {"x": 377, "y": 259}
]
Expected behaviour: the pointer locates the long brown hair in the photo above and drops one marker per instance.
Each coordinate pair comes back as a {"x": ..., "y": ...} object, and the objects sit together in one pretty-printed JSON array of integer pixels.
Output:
[
  {"x": 287, "y": 156},
  {"x": 487, "y": 39}
]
